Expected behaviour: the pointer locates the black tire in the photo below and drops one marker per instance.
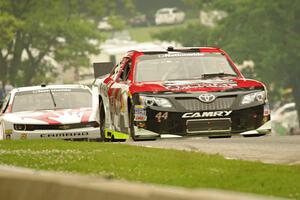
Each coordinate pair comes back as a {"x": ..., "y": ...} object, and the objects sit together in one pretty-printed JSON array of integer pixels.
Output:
[
  {"x": 217, "y": 137},
  {"x": 131, "y": 124},
  {"x": 254, "y": 135},
  {"x": 131, "y": 127},
  {"x": 102, "y": 122},
  {"x": 292, "y": 131}
]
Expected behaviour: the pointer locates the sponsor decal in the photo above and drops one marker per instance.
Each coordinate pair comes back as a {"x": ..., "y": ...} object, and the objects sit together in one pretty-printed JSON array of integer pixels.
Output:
[
  {"x": 52, "y": 90},
  {"x": 185, "y": 85},
  {"x": 57, "y": 135},
  {"x": 140, "y": 113},
  {"x": 64, "y": 127},
  {"x": 161, "y": 116},
  {"x": 200, "y": 85},
  {"x": 171, "y": 55},
  {"x": 206, "y": 114}
]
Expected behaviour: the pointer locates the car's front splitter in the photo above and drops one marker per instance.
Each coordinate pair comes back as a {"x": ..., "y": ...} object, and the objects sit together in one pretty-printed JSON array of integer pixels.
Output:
[
  {"x": 262, "y": 130},
  {"x": 115, "y": 135}
]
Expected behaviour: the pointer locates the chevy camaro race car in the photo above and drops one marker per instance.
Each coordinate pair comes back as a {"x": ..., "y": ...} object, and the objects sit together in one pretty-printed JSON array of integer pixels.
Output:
[
  {"x": 49, "y": 112},
  {"x": 186, "y": 92}
]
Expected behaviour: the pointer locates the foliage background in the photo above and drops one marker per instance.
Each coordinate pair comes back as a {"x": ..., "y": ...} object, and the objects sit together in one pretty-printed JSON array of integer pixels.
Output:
[{"x": 265, "y": 31}]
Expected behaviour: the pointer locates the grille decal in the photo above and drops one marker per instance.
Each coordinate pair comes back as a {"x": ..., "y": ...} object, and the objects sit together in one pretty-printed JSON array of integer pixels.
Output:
[{"x": 194, "y": 104}]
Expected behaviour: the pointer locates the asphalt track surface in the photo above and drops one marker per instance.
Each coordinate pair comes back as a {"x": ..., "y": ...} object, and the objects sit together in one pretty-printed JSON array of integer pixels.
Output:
[{"x": 267, "y": 149}]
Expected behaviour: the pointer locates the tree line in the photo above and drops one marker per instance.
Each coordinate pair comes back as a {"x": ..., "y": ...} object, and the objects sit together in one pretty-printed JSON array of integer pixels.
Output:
[
  {"x": 265, "y": 31},
  {"x": 36, "y": 35}
]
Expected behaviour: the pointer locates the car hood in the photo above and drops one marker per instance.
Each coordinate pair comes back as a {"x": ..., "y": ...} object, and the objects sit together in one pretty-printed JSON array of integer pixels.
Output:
[
  {"x": 207, "y": 85},
  {"x": 51, "y": 117}
]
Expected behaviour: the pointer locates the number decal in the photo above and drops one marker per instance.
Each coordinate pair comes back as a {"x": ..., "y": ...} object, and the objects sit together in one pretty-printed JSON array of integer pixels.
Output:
[{"x": 161, "y": 116}]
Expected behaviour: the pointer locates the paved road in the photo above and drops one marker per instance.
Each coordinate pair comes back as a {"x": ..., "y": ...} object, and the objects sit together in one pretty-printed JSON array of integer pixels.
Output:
[{"x": 268, "y": 149}]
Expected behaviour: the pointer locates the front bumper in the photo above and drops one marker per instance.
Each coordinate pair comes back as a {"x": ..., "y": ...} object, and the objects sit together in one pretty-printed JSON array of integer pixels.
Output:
[
  {"x": 189, "y": 116},
  {"x": 239, "y": 121},
  {"x": 81, "y": 133}
]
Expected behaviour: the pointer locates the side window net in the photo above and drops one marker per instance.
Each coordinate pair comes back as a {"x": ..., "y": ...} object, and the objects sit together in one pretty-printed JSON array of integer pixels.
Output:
[{"x": 125, "y": 73}]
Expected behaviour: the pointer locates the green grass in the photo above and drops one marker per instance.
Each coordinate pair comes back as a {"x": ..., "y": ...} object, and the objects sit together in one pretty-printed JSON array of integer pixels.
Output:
[{"x": 170, "y": 167}]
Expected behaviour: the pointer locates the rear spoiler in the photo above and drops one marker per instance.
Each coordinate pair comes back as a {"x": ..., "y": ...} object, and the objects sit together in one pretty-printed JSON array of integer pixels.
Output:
[{"x": 102, "y": 68}]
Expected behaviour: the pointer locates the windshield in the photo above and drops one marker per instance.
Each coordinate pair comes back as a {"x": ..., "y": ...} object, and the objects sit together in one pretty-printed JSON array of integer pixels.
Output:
[
  {"x": 42, "y": 100},
  {"x": 181, "y": 66}
]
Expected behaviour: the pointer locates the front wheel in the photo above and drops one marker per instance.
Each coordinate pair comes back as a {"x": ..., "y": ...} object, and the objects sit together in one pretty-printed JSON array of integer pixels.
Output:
[
  {"x": 254, "y": 135},
  {"x": 131, "y": 124},
  {"x": 102, "y": 122},
  {"x": 144, "y": 135},
  {"x": 216, "y": 137}
]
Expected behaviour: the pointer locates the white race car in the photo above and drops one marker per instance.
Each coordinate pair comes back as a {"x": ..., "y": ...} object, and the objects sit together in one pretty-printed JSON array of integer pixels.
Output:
[{"x": 49, "y": 112}]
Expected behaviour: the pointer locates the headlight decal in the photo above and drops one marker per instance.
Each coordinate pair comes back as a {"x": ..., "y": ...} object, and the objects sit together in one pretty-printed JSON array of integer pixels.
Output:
[
  {"x": 155, "y": 101},
  {"x": 254, "y": 97},
  {"x": 249, "y": 98}
]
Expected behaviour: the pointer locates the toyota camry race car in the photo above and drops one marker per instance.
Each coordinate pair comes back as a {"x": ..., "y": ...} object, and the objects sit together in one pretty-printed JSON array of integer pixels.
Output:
[
  {"x": 49, "y": 112},
  {"x": 186, "y": 92}
]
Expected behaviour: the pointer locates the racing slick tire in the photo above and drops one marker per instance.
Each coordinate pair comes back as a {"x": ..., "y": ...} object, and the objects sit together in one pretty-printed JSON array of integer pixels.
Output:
[
  {"x": 216, "y": 137},
  {"x": 131, "y": 124},
  {"x": 131, "y": 127},
  {"x": 254, "y": 135},
  {"x": 102, "y": 122}
]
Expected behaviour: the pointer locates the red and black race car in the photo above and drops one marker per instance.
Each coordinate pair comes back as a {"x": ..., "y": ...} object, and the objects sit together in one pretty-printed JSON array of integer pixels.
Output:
[{"x": 184, "y": 92}]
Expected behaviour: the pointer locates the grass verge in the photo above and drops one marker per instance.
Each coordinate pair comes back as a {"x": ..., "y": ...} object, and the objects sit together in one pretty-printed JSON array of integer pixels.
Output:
[{"x": 147, "y": 165}]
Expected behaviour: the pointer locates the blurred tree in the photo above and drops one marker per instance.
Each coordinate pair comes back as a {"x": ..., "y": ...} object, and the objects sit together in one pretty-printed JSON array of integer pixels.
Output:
[
  {"x": 194, "y": 34},
  {"x": 267, "y": 32},
  {"x": 35, "y": 34},
  {"x": 149, "y": 8}
]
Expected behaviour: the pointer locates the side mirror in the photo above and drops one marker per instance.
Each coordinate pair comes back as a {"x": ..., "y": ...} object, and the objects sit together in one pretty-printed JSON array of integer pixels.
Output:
[{"x": 103, "y": 68}]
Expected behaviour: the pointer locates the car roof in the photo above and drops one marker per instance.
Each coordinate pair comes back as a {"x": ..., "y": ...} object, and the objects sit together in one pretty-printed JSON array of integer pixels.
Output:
[
  {"x": 180, "y": 50},
  {"x": 41, "y": 87}
]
